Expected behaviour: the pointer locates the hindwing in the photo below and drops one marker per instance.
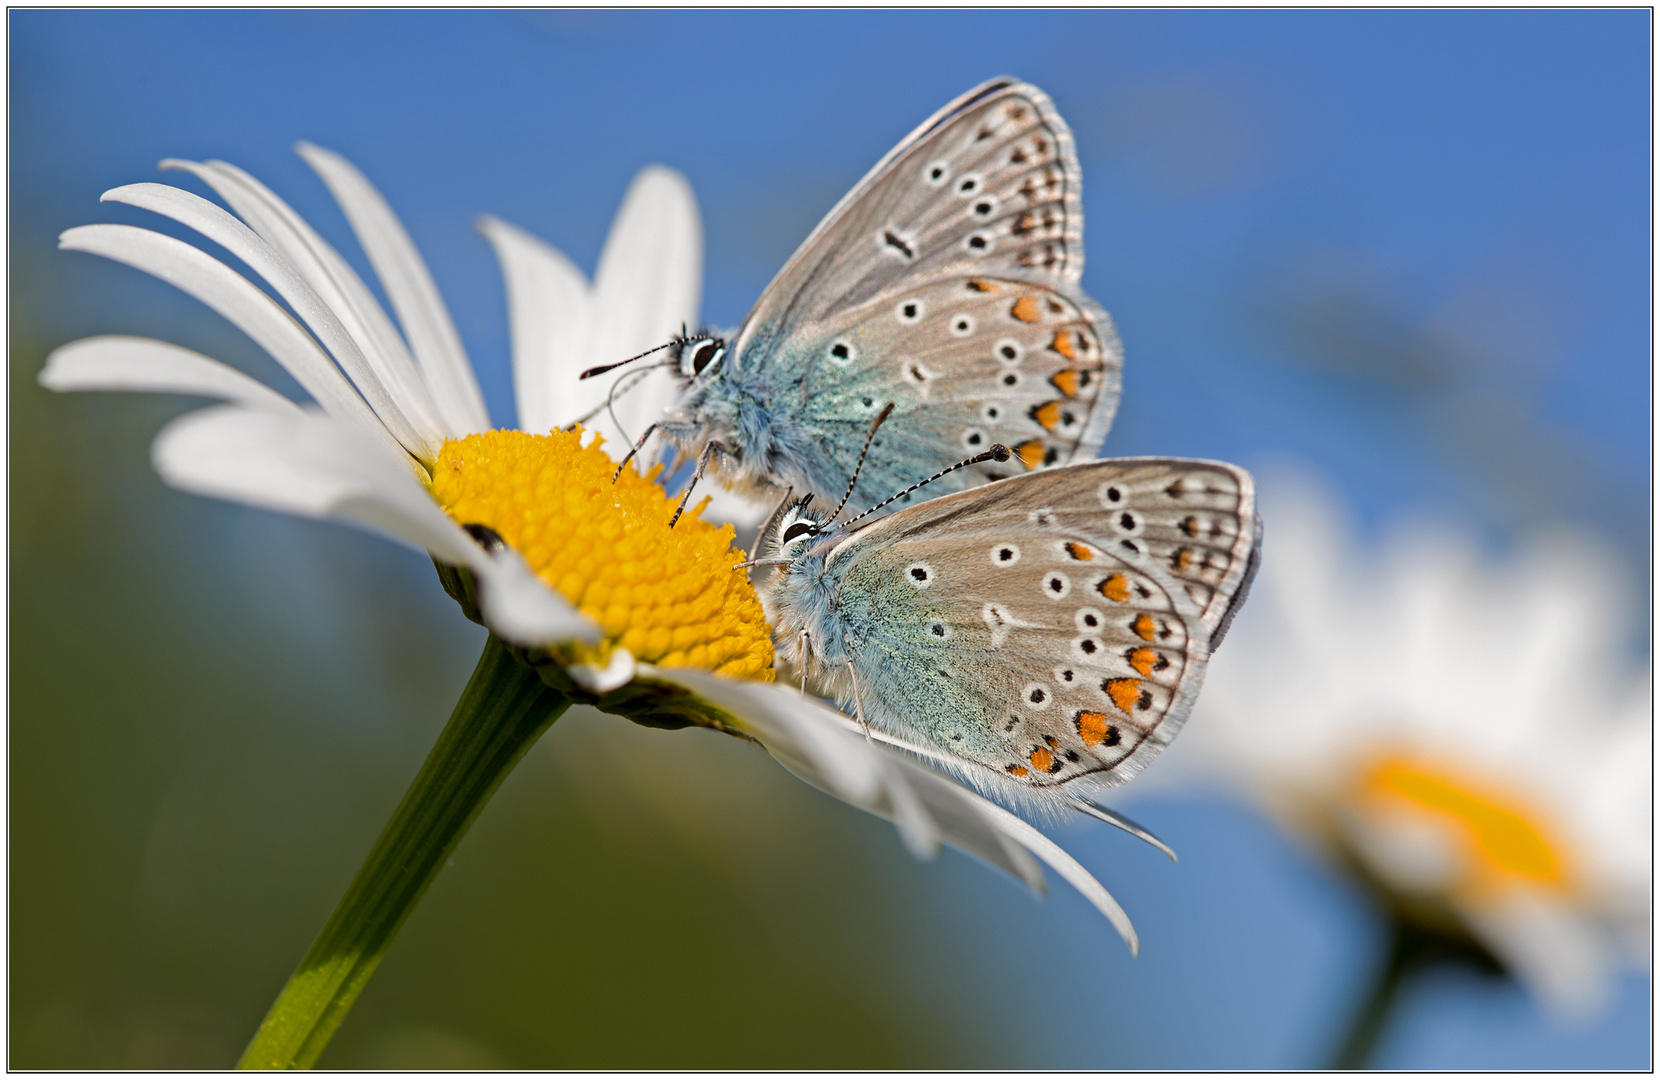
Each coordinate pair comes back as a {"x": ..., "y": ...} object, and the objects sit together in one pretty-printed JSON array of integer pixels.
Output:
[{"x": 1052, "y": 626}]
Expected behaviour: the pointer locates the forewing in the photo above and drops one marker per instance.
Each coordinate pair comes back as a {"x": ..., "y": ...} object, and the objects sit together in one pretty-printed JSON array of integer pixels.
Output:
[
  {"x": 946, "y": 284},
  {"x": 990, "y": 181},
  {"x": 966, "y": 363},
  {"x": 1056, "y": 629}
]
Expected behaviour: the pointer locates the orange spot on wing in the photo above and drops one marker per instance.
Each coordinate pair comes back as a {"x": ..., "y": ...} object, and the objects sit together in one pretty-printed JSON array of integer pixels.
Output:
[
  {"x": 1143, "y": 626},
  {"x": 1026, "y": 309},
  {"x": 1048, "y": 414},
  {"x": 1082, "y": 554},
  {"x": 1093, "y": 728},
  {"x": 1018, "y": 770},
  {"x": 1142, "y": 659},
  {"x": 1030, "y": 453},
  {"x": 1063, "y": 344},
  {"x": 1116, "y": 588},
  {"x": 981, "y": 285},
  {"x": 1066, "y": 381},
  {"x": 1123, "y": 692},
  {"x": 1183, "y": 560},
  {"x": 1042, "y": 759}
]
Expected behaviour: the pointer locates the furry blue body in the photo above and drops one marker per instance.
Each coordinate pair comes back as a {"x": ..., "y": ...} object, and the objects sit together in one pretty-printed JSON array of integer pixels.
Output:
[{"x": 785, "y": 419}]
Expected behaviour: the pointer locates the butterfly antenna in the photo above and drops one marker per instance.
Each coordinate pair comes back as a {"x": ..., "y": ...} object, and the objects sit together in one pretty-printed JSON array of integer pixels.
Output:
[
  {"x": 887, "y": 410},
  {"x": 603, "y": 368},
  {"x": 998, "y": 452},
  {"x": 610, "y": 399}
]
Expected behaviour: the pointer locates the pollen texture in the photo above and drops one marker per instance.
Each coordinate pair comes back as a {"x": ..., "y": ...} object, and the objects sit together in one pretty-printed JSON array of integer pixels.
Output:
[{"x": 670, "y": 597}]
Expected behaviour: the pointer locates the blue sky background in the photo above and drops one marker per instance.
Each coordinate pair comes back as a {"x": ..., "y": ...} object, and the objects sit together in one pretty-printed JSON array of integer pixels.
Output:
[{"x": 1410, "y": 248}]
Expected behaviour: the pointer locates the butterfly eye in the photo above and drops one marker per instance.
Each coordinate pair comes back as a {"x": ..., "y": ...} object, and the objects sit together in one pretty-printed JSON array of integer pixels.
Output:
[
  {"x": 797, "y": 531},
  {"x": 699, "y": 353}
]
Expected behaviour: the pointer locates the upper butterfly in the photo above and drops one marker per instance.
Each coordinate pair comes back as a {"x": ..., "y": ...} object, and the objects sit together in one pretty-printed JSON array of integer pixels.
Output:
[
  {"x": 946, "y": 284},
  {"x": 1047, "y": 628}
]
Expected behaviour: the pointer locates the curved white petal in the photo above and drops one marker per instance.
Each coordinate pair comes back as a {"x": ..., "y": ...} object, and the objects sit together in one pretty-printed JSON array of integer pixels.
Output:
[
  {"x": 600, "y": 680},
  {"x": 811, "y": 740},
  {"x": 114, "y": 362},
  {"x": 333, "y": 278},
  {"x": 548, "y": 309},
  {"x": 843, "y": 766},
  {"x": 808, "y": 741},
  {"x": 1070, "y": 869},
  {"x": 521, "y": 608},
  {"x": 314, "y": 466},
  {"x": 409, "y": 285},
  {"x": 241, "y": 241},
  {"x": 305, "y": 464},
  {"x": 646, "y": 289},
  {"x": 236, "y": 298}
]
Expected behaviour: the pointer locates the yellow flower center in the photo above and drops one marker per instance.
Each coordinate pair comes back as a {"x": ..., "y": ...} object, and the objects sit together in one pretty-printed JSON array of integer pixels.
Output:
[
  {"x": 669, "y": 596},
  {"x": 1505, "y": 842}
]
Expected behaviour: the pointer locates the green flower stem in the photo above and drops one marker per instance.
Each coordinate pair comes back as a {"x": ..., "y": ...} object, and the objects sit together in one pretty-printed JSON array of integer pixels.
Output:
[
  {"x": 503, "y": 711},
  {"x": 1414, "y": 946}
]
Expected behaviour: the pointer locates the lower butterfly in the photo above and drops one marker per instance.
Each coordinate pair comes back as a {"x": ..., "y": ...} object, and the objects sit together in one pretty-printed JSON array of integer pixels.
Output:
[{"x": 1033, "y": 632}]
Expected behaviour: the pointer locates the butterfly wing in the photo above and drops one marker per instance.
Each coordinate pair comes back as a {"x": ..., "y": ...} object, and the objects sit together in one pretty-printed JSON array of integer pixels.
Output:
[
  {"x": 946, "y": 282},
  {"x": 1002, "y": 146},
  {"x": 1050, "y": 626}
]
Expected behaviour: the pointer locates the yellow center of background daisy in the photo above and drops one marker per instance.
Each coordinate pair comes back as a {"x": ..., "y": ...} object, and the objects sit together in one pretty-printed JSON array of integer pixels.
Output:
[
  {"x": 1505, "y": 840},
  {"x": 670, "y": 597}
]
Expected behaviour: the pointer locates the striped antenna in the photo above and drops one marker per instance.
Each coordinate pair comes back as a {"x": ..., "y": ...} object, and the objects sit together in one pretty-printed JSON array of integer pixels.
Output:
[
  {"x": 887, "y": 410},
  {"x": 998, "y": 452}
]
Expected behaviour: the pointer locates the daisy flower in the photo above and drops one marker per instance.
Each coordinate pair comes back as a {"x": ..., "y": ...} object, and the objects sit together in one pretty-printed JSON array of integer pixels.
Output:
[
  {"x": 1457, "y": 730},
  {"x": 589, "y": 595}
]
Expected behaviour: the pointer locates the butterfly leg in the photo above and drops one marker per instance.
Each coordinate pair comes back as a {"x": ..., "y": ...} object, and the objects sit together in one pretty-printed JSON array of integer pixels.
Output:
[
  {"x": 802, "y": 652},
  {"x": 630, "y": 456},
  {"x": 858, "y": 701},
  {"x": 709, "y": 451}
]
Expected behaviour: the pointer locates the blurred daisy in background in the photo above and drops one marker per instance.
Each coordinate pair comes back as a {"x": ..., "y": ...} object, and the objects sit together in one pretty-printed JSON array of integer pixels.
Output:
[{"x": 1463, "y": 733}]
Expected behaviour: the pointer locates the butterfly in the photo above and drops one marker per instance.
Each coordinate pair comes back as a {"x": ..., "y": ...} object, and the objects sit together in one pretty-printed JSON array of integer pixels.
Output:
[
  {"x": 945, "y": 285},
  {"x": 1044, "y": 629}
]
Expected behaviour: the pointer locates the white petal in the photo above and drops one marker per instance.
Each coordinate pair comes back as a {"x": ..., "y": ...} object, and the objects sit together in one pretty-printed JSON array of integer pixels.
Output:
[
  {"x": 548, "y": 310},
  {"x": 782, "y": 721},
  {"x": 1042, "y": 846},
  {"x": 241, "y": 241},
  {"x": 313, "y": 466},
  {"x": 309, "y": 465},
  {"x": 1552, "y": 949},
  {"x": 844, "y": 765},
  {"x": 236, "y": 298},
  {"x": 335, "y": 281},
  {"x": 600, "y": 680},
  {"x": 409, "y": 285},
  {"x": 114, "y": 362},
  {"x": 727, "y": 506},
  {"x": 1070, "y": 869},
  {"x": 520, "y": 607},
  {"x": 646, "y": 290}
]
